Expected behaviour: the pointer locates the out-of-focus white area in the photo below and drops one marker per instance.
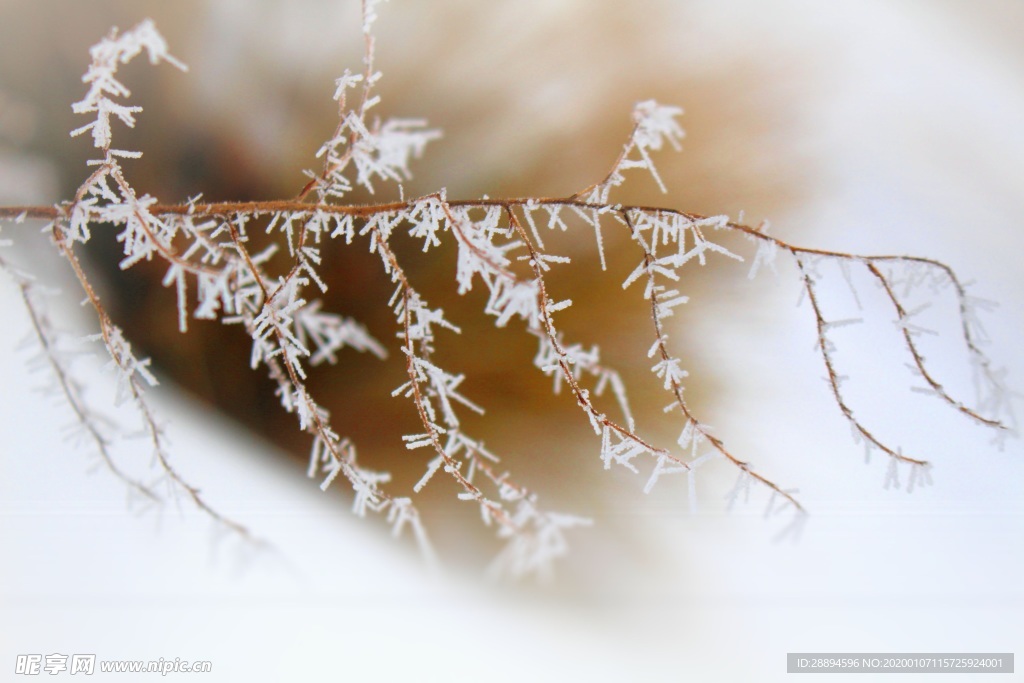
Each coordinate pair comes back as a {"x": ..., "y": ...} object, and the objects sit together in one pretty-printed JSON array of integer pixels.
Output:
[{"x": 911, "y": 128}]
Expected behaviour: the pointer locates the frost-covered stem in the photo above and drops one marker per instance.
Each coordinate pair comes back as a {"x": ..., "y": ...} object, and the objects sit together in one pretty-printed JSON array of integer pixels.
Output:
[
  {"x": 654, "y": 125},
  {"x": 44, "y": 333},
  {"x": 369, "y": 41},
  {"x": 368, "y": 79},
  {"x": 495, "y": 511},
  {"x": 166, "y": 251},
  {"x": 408, "y": 294},
  {"x": 676, "y": 388},
  {"x": 919, "y": 359},
  {"x": 298, "y": 209},
  {"x": 285, "y": 373},
  {"x": 869, "y": 261},
  {"x": 152, "y": 429},
  {"x": 833, "y": 377},
  {"x": 548, "y": 330},
  {"x": 364, "y": 211},
  {"x": 614, "y": 170}
]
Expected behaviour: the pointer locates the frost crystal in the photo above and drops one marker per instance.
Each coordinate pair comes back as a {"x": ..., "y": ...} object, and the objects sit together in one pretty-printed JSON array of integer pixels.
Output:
[
  {"x": 106, "y": 55},
  {"x": 656, "y": 124}
]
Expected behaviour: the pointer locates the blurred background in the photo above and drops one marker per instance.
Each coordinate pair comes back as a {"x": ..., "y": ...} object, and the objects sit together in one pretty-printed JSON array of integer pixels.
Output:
[{"x": 863, "y": 126}]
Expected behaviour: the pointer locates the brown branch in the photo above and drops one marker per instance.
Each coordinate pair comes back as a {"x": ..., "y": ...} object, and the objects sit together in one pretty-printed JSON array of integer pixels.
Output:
[
  {"x": 677, "y": 390},
  {"x": 42, "y": 330},
  {"x": 919, "y": 360},
  {"x": 549, "y": 330},
  {"x": 496, "y": 511},
  {"x": 833, "y": 377},
  {"x": 298, "y": 209},
  {"x": 149, "y": 420}
]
